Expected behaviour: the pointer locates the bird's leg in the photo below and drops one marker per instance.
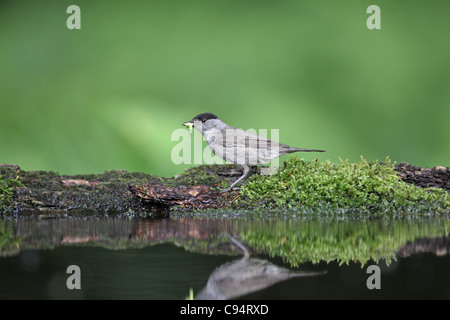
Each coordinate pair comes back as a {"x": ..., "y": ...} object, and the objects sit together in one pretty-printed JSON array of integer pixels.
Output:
[
  {"x": 242, "y": 178},
  {"x": 241, "y": 246}
]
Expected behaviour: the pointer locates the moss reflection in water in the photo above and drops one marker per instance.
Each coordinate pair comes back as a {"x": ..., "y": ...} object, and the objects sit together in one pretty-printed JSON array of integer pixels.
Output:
[
  {"x": 296, "y": 240},
  {"x": 8, "y": 242},
  {"x": 343, "y": 241}
]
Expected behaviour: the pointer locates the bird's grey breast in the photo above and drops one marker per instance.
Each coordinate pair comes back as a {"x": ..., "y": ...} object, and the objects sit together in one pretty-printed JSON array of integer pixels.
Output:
[{"x": 213, "y": 137}]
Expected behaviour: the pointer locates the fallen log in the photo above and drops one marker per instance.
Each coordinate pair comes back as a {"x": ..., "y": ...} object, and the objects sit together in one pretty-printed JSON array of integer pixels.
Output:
[
  {"x": 183, "y": 196},
  {"x": 49, "y": 194}
]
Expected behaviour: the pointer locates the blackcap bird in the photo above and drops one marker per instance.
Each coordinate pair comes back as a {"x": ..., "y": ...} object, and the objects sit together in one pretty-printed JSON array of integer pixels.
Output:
[{"x": 238, "y": 146}]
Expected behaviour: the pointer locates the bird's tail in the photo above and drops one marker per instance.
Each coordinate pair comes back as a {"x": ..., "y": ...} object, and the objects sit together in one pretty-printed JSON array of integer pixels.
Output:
[{"x": 305, "y": 150}]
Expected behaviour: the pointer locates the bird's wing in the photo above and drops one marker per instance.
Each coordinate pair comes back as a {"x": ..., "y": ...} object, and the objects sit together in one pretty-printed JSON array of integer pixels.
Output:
[
  {"x": 245, "y": 147},
  {"x": 243, "y": 139}
]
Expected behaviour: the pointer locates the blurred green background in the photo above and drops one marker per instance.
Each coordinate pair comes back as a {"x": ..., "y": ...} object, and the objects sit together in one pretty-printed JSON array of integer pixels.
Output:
[{"x": 109, "y": 96}]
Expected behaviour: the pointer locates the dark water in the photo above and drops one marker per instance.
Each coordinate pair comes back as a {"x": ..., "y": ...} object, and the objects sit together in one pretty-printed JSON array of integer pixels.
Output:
[{"x": 220, "y": 258}]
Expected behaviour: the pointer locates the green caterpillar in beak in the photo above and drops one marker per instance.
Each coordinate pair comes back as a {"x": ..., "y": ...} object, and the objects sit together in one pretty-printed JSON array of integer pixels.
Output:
[{"x": 190, "y": 125}]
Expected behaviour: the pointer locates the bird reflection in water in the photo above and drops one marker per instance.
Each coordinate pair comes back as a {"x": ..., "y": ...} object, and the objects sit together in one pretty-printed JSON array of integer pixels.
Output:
[{"x": 246, "y": 275}]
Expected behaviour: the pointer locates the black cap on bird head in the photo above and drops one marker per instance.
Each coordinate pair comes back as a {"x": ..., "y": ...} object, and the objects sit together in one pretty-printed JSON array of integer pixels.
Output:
[
  {"x": 200, "y": 117},
  {"x": 204, "y": 116}
]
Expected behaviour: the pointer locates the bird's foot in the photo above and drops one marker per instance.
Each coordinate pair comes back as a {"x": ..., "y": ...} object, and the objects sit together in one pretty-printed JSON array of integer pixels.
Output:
[{"x": 238, "y": 181}]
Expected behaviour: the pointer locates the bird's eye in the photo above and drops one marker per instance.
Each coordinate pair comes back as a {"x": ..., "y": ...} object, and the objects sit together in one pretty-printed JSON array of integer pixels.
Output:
[{"x": 203, "y": 120}]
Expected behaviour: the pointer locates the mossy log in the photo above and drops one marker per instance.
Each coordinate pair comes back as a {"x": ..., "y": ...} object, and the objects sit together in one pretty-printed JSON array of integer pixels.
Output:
[{"x": 47, "y": 194}]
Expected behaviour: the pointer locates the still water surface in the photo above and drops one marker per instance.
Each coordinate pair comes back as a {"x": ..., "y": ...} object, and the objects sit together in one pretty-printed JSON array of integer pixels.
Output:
[{"x": 304, "y": 258}]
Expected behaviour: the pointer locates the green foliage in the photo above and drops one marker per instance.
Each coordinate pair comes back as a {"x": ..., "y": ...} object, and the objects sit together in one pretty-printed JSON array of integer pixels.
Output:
[
  {"x": 6, "y": 193},
  {"x": 190, "y": 296},
  {"x": 373, "y": 187}
]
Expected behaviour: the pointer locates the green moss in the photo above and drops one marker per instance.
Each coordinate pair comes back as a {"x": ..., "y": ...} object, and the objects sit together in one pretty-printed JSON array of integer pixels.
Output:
[
  {"x": 119, "y": 176},
  {"x": 6, "y": 192},
  {"x": 319, "y": 187},
  {"x": 5, "y": 195},
  {"x": 45, "y": 193},
  {"x": 361, "y": 186},
  {"x": 208, "y": 175}
]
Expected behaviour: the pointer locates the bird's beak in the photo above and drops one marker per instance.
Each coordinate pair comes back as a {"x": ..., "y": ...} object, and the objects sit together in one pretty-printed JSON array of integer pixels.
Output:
[{"x": 189, "y": 124}]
